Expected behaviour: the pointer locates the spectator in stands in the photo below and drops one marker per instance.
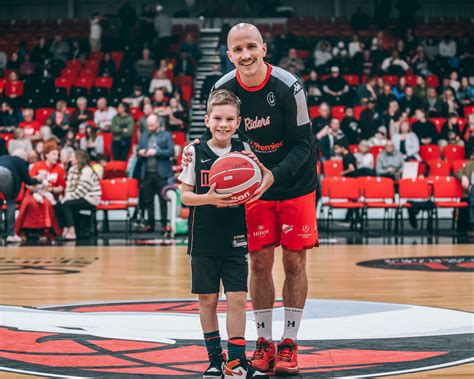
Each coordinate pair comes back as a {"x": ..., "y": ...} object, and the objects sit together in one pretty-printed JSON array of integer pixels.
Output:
[
  {"x": 83, "y": 192},
  {"x": 328, "y": 136},
  {"x": 407, "y": 142},
  {"x": 104, "y": 114},
  {"x": 128, "y": 17},
  {"x": 9, "y": 117},
  {"x": 313, "y": 90},
  {"x": 107, "y": 66},
  {"x": 360, "y": 20},
  {"x": 65, "y": 157},
  {"x": 450, "y": 133},
  {"x": 208, "y": 83},
  {"x": 350, "y": 127},
  {"x": 322, "y": 121},
  {"x": 185, "y": 65},
  {"x": 465, "y": 94},
  {"x": 77, "y": 52},
  {"x": 29, "y": 125},
  {"x": 322, "y": 54},
  {"x": 163, "y": 29},
  {"x": 366, "y": 90},
  {"x": 454, "y": 82},
  {"x": 3, "y": 61},
  {"x": 292, "y": 63},
  {"x": 424, "y": 129},
  {"x": 390, "y": 162},
  {"x": 447, "y": 47},
  {"x": 433, "y": 103},
  {"x": 155, "y": 150},
  {"x": 385, "y": 98},
  {"x": 430, "y": 48},
  {"x": 147, "y": 110},
  {"x": 61, "y": 119},
  {"x": 469, "y": 136},
  {"x": 122, "y": 132},
  {"x": 160, "y": 81},
  {"x": 20, "y": 142},
  {"x": 399, "y": 90},
  {"x": 466, "y": 54},
  {"x": 379, "y": 50},
  {"x": 81, "y": 116},
  {"x": 369, "y": 120},
  {"x": 46, "y": 132},
  {"x": 421, "y": 90},
  {"x": 40, "y": 52},
  {"x": 14, "y": 62},
  {"x": 226, "y": 64},
  {"x": 36, "y": 210},
  {"x": 391, "y": 117},
  {"x": 145, "y": 66},
  {"x": 379, "y": 138},
  {"x": 95, "y": 37},
  {"x": 355, "y": 46},
  {"x": 465, "y": 222},
  {"x": 336, "y": 89},
  {"x": 14, "y": 172},
  {"x": 450, "y": 104},
  {"x": 59, "y": 49},
  {"x": 410, "y": 103},
  {"x": 420, "y": 63},
  {"x": 177, "y": 117},
  {"x": 27, "y": 68},
  {"x": 340, "y": 56},
  {"x": 14, "y": 89},
  {"x": 70, "y": 140},
  {"x": 349, "y": 163},
  {"x": 395, "y": 65},
  {"x": 136, "y": 97},
  {"x": 363, "y": 63},
  {"x": 158, "y": 100},
  {"x": 92, "y": 143},
  {"x": 191, "y": 47},
  {"x": 365, "y": 159}
]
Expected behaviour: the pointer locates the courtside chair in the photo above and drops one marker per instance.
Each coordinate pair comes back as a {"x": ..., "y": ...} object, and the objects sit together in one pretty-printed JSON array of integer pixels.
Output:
[
  {"x": 417, "y": 189},
  {"x": 114, "y": 198},
  {"x": 332, "y": 167}
]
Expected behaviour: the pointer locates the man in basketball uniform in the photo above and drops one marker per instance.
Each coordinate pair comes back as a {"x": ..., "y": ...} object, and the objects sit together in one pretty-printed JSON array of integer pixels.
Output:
[
  {"x": 218, "y": 242},
  {"x": 275, "y": 120}
]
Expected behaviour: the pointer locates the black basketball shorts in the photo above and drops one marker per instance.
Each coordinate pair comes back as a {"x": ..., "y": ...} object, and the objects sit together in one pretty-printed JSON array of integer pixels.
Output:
[{"x": 207, "y": 272}]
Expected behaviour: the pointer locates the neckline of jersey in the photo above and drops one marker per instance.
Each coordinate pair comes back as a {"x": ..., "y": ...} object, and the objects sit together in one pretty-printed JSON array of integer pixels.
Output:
[{"x": 261, "y": 85}]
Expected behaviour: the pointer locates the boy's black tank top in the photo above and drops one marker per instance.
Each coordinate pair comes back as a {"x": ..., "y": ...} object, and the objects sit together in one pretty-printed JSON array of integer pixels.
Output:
[{"x": 215, "y": 231}]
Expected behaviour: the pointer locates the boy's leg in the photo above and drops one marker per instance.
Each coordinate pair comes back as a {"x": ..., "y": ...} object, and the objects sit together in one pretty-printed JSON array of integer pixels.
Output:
[
  {"x": 236, "y": 317},
  {"x": 208, "y": 312}
]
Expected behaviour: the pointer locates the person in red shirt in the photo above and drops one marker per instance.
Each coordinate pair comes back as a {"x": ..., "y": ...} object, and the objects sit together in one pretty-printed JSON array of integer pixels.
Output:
[
  {"x": 13, "y": 87},
  {"x": 29, "y": 125},
  {"x": 36, "y": 210}
]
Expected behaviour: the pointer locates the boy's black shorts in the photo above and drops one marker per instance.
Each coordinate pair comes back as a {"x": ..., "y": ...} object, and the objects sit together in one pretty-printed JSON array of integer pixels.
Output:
[{"x": 208, "y": 271}]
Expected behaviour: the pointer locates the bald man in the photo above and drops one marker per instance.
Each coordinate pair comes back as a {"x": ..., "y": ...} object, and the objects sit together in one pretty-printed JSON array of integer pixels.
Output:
[
  {"x": 155, "y": 153},
  {"x": 283, "y": 211}
]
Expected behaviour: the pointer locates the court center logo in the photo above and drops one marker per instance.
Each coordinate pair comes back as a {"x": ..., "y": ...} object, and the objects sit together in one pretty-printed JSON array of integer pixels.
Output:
[
  {"x": 163, "y": 339},
  {"x": 42, "y": 266},
  {"x": 437, "y": 264}
]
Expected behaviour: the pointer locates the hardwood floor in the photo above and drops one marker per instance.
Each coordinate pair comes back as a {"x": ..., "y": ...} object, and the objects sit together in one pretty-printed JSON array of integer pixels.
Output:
[{"x": 135, "y": 273}]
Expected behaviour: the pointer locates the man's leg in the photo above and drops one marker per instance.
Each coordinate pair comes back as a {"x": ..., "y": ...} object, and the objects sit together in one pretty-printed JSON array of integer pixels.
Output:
[{"x": 149, "y": 199}]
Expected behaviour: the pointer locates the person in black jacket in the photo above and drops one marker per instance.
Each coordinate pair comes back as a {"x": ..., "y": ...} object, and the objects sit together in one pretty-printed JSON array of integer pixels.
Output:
[{"x": 13, "y": 172}]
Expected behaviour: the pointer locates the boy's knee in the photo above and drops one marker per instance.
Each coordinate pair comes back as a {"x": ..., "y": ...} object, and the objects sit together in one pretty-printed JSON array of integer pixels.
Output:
[
  {"x": 236, "y": 300},
  {"x": 208, "y": 300}
]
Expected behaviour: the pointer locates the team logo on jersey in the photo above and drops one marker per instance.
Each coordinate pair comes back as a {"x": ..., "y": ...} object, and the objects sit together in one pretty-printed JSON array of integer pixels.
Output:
[
  {"x": 204, "y": 178},
  {"x": 287, "y": 228},
  {"x": 163, "y": 339},
  {"x": 271, "y": 99},
  {"x": 256, "y": 123},
  {"x": 438, "y": 264},
  {"x": 296, "y": 88}
]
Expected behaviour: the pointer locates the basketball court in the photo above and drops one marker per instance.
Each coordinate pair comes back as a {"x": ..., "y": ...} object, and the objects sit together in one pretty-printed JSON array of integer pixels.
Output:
[{"x": 124, "y": 311}]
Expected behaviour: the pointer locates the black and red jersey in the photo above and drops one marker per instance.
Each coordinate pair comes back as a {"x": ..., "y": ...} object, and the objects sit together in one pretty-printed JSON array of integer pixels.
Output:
[{"x": 275, "y": 122}]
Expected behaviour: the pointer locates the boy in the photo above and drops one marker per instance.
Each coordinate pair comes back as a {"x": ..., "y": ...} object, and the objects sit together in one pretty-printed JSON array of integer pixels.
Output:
[{"x": 218, "y": 241}]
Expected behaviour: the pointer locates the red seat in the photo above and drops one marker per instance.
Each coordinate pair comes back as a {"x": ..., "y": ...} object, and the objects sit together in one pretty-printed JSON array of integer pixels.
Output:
[
  {"x": 96, "y": 56},
  {"x": 332, "y": 167},
  {"x": 432, "y": 81},
  {"x": 439, "y": 168},
  {"x": 74, "y": 64},
  {"x": 117, "y": 57},
  {"x": 352, "y": 80},
  {"x": 447, "y": 193},
  {"x": 430, "y": 152},
  {"x": 390, "y": 79},
  {"x": 136, "y": 113},
  {"x": 103, "y": 82},
  {"x": 114, "y": 198},
  {"x": 354, "y": 148},
  {"x": 314, "y": 111},
  {"x": 468, "y": 109},
  {"x": 89, "y": 72},
  {"x": 69, "y": 73},
  {"x": 411, "y": 80},
  {"x": 417, "y": 189},
  {"x": 438, "y": 121},
  {"x": 7, "y": 137},
  {"x": 186, "y": 84},
  {"x": 41, "y": 114},
  {"x": 107, "y": 136},
  {"x": 454, "y": 152},
  {"x": 63, "y": 83},
  {"x": 179, "y": 138},
  {"x": 378, "y": 193},
  {"x": 458, "y": 165},
  {"x": 338, "y": 112},
  {"x": 375, "y": 151},
  {"x": 115, "y": 169},
  {"x": 358, "y": 110}
]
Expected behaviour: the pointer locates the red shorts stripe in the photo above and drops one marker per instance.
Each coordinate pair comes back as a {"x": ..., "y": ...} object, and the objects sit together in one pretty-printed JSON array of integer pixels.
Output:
[{"x": 291, "y": 223}]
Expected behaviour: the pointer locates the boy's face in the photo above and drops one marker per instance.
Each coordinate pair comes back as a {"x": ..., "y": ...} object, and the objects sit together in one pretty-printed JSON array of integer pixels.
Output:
[{"x": 223, "y": 121}]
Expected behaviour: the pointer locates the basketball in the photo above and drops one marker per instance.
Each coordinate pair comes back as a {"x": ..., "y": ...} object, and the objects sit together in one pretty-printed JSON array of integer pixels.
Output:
[{"x": 235, "y": 174}]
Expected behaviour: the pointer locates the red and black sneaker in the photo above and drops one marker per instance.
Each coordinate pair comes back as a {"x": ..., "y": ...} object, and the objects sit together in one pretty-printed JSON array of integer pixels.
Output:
[
  {"x": 286, "y": 359},
  {"x": 264, "y": 355}
]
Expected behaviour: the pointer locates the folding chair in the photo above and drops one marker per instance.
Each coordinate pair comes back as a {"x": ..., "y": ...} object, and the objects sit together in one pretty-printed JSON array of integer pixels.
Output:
[
  {"x": 439, "y": 168},
  {"x": 332, "y": 167},
  {"x": 417, "y": 189},
  {"x": 114, "y": 198}
]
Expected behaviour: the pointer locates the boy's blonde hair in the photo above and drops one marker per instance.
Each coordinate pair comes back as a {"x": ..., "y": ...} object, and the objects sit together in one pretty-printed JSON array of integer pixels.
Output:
[{"x": 223, "y": 97}]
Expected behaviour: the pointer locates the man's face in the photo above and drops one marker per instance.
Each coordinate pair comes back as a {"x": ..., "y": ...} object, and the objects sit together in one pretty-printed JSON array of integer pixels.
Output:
[
  {"x": 101, "y": 104},
  {"x": 324, "y": 111},
  {"x": 152, "y": 124},
  {"x": 334, "y": 125},
  {"x": 389, "y": 147},
  {"x": 246, "y": 50}
]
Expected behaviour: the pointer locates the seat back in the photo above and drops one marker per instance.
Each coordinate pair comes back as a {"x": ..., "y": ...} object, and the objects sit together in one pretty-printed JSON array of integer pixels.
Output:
[
  {"x": 439, "y": 168},
  {"x": 411, "y": 189},
  {"x": 430, "y": 152},
  {"x": 446, "y": 187},
  {"x": 454, "y": 152},
  {"x": 114, "y": 191},
  {"x": 115, "y": 169},
  {"x": 379, "y": 188},
  {"x": 341, "y": 188},
  {"x": 332, "y": 167}
]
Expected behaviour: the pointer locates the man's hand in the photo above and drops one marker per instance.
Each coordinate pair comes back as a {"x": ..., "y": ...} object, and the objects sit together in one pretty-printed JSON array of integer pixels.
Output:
[
  {"x": 151, "y": 152},
  {"x": 465, "y": 182},
  {"x": 219, "y": 200},
  {"x": 142, "y": 153},
  {"x": 187, "y": 156},
  {"x": 267, "y": 177}
]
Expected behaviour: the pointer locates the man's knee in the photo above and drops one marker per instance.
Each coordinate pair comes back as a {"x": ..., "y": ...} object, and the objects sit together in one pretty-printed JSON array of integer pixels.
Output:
[
  {"x": 294, "y": 262},
  {"x": 261, "y": 261}
]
